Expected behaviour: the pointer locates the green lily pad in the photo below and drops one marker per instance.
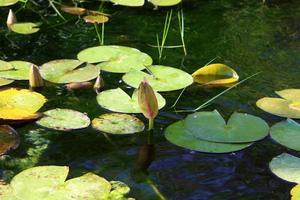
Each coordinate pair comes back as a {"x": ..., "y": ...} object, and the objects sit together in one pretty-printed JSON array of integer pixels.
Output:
[
  {"x": 162, "y": 78},
  {"x": 287, "y": 106},
  {"x": 68, "y": 70},
  {"x": 25, "y": 28},
  {"x": 286, "y": 167},
  {"x": 64, "y": 119},
  {"x": 20, "y": 71},
  {"x": 131, "y": 3},
  {"x": 119, "y": 101},
  {"x": 287, "y": 133},
  {"x": 117, "y": 59},
  {"x": 95, "y": 19},
  {"x": 5, "y": 65},
  {"x": 9, "y": 139},
  {"x": 117, "y": 123},
  {"x": 240, "y": 128},
  {"x": 177, "y": 134},
  {"x": 4, "y": 81},
  {"x": 7, "y": 2},
  {"x": 165, "y": 2}
]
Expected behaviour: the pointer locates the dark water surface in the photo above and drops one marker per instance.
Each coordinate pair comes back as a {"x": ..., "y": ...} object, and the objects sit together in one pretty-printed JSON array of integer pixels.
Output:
[{"x": 246, "y": 35}]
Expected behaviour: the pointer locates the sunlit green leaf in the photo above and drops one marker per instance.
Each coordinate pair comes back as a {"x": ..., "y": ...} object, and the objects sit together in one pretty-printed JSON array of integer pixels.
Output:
[
  {"x": 25, "y": 27},
  {"x": 7, "y": 2},
  {"x": 165, "y": 2},
  {"x": 133, "y": 3},
  {"x": 20, "y": 71}
]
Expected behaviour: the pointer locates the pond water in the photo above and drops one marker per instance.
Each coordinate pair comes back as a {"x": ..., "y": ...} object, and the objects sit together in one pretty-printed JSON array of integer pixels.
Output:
[{"x": 246, "y": 35}]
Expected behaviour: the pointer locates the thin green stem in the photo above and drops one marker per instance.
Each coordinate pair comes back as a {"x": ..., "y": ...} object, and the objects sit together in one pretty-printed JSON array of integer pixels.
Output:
[
  {"x": 56, "y": 10},
  {"x": 181, "y": 28},
  {"x": 98, "y": 34},
  {"x": 102, "y": 33},
  {"x": 151, "y": 124},
  {"x": 155, "y": 189},
  {"x": 181, "y": 93}
]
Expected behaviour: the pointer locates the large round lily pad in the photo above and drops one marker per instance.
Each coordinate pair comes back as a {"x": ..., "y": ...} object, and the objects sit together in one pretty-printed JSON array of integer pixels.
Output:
[
  {"x": 286, "y": 167},
  {"x": 20, "y": 71},
  {"x": 9, "y": 139},
  {"x": 215, "y": 75},
  {"x": 20, "y": 104},
  {"x": 25, "y": 28},
  {"x": 64, "y": 119},
  {"x": 295, "y": 192},
  {"x": 7, "y": 2},
  {"x": 178, "y": 134},
  {"x": 240, "y": 128},
  {"x": 117, "y": 59},
  {"x": 287, "y": 106},
  {"x": 287, "y": 133},
  {"x": 68, "y": 70},
  {"x": 165, "y": 2},
  {"x": 131, "y": 3},
  {"x": 119, "y": 101},
  {"x": 162, "y": 78},
  {"x": 117, "y": 123}
]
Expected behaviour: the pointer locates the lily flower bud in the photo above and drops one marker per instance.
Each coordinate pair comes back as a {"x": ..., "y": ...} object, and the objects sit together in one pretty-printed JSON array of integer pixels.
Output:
[
  {"x": 11, "y": 18},
  {"x": 35, "y": 78},
  {"x": 99, "y": 84},
  {"x": 147, "y": 100}
]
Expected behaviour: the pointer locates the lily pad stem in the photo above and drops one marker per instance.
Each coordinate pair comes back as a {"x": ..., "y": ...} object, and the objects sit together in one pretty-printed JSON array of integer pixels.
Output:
[
  {"x": 98, "y": 34},
  {"x": 151, "y": 124}
]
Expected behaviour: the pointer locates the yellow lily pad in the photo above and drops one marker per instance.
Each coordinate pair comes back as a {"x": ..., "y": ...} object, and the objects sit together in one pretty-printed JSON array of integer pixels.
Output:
[
  {"x": 20, "y": 104},
  {"x": 286, "y": 106},
  {"x": 215, "y": 75},
  {"x": 295, "y": 192},
  {"x": 96, "y": 19}
]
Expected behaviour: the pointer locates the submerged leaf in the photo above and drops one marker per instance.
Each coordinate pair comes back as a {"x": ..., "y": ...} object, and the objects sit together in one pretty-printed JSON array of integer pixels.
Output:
[
  {"x": 286, "y": 167},
  {"x": 64, "y": 119},
  {"x": 162, "y": 78},
  {"x": 117, "y": 59},
  {"x": 118, "y": 123},
  {"x": 215, "y": 75},
  {"x": 240, "y": 128},
  {"x": 68, "y": 70},
  {"x": 25, "y": 27},
  {"x": 287, "y": 133},
  {"x": 178, "y": 134},
  {"x": 287, "y": 106},
  {"x": 119, "y": 101},
  {"x": 9, "y": 139}
]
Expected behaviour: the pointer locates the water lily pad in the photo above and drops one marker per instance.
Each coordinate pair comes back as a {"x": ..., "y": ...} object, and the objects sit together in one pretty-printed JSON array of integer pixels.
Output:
[
  {"x": 9, "y": 139},
  {"x": 117, "y": 59},
  {"x": 286, "y": 167},
  {"x": 68, "y": 70},
  {"x": 117, "y": 123},
  {"x": 5, "y": 65},
  {"x": 20, "y": 71},
  {"x": 287, "y": 133},
  {"x": 7, "y": 2},
  {"x": 177, "y": 134},
  {"x": 165, "y": 2},
  {"x": 162, "y": 78},
  {"x": 25, "y": 28},
  {"x": 295, "y": 192},
  {"x": 4, "y": 81},
  {"x": 215, "y": 75},
  {"x": 20, "y": 104},
  {"x": 131, "y": 3},
  {"x": 95, "y": 19},
  {"x": 74, "y": 10},
  {"x": 287, "y": 106},
  {"x": 119, "y": 101},
  {"x": 64, "y": 119},
  {"x": 240, "y": 128}
]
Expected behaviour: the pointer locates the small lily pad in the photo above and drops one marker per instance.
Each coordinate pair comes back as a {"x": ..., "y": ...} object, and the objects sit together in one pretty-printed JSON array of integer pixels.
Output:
[
  {"x": 4, "y": 81},
  {"x": 177, "y": 134},
  {"x": 240, "y": 128},
  {"x": 287, "y": 106},
  {"x": 25, "y": 28},
  {"x": 20, "y": 71},
  {"x": 119, "y": 101},
  {"x": 9, "y": 139},
  {"x": 287, "y": 133},
  {"x": 117, "y": 123},
  {"x": 295, "y": 192},
  {"x": 68, "y": 71},
  {"x": 20, "y": 104},
  {"x": 95, "y": 19},
  {"x": 64, "y": 120},
  {"x": 215, "y": 75},
  {"x": 286, "y": 167},
  {"x": 7, "y": 2},
  {"x": 162, "y": 78},
  {"x": 117, "y": 59},
  {"x": 131, "y": 3},
  {"x": 5, "y": 66},
  {"x": 74, "y": 10},
  {"x": 165, "y": 2}
]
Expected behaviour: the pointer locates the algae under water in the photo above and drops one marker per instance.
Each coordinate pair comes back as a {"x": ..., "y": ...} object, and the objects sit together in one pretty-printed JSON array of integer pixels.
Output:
[{"x": 248, "y": 35}]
